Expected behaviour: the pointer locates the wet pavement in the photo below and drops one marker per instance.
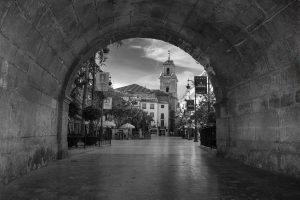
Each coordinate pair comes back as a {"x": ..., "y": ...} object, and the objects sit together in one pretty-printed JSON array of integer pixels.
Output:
[{"x": 161, "y": 168}]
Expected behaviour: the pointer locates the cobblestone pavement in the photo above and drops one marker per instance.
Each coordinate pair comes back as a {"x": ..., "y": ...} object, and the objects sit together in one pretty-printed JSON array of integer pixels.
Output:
[{"x": 161, "y": 168}]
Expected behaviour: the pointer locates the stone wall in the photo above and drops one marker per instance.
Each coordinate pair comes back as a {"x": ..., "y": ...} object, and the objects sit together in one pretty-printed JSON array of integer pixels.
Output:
[
  {"x": 28, "y": 137},
  {"x": 32, "y": 68},
  {"x": 251, "y": 45},
  {"x": 259, "y": 121}
]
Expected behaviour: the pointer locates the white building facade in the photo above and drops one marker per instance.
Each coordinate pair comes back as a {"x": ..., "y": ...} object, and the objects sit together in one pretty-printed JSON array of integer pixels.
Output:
[{"x": 158, "y": 110}]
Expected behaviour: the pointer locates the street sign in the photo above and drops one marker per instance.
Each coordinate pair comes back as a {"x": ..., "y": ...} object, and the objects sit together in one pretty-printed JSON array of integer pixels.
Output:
[
  {"x": 107, "y": 103},
  {"x": 200, "y": 84},
  {"x": 190, "y": 105},
  {"x": 102, "y": 81}
]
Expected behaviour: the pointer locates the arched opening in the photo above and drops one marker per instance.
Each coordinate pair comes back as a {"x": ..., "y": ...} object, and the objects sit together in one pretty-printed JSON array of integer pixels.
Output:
[
  {"x": 250, "y": 48},
  {"x": 133, "y": 80},
  {"x": 167, "y": 89}
]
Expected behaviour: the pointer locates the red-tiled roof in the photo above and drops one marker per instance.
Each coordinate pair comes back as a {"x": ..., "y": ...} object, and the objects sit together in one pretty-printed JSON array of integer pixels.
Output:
[{"x": 134, "y": 88}]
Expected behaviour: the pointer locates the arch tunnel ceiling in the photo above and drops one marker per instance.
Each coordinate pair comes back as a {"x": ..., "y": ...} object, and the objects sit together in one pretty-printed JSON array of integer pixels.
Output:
[{"x": 54, "y": 36}]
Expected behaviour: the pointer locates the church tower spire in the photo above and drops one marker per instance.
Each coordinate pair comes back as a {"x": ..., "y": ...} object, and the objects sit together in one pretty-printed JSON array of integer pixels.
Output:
[{"x": 168, "y": 78}]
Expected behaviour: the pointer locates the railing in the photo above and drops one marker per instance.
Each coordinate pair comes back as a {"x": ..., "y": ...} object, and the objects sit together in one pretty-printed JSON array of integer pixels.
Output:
[
  {"x": 135, "y": 134},
  {"x": 208, "y": 137},
  {"x": 82, "y": 135}
]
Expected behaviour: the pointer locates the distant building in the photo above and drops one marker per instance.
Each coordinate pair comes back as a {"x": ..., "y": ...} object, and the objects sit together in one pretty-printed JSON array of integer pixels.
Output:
[
  {"x": 168, "y": 78},
  {"x": 159, "y": 110},
  {"x": 161, "y": 104},
  {"x": 148, "y": 100},
  {"x": 168, "y": 84}
]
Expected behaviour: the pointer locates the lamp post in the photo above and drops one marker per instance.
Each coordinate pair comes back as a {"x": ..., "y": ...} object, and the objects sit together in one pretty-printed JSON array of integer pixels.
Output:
[
  {"x": 102, "y": 97},
  {"x": 195, "y": 104},
  {"x": 208, "y": 96},
  {"x": 99, "y": 60}
]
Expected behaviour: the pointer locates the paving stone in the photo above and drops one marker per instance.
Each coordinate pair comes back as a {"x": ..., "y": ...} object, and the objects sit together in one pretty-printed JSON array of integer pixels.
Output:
[{"x": 162, "y": 168}]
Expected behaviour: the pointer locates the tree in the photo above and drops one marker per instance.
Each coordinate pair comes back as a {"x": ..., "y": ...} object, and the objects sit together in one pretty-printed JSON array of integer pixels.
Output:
[
  {"x": 73, "y": 109},
  {"x": 86, "y": 77},
  {"x": 124, "y": 112},
  {"x": 91, "y": 113},
  {"x": 203, "y": 115}
]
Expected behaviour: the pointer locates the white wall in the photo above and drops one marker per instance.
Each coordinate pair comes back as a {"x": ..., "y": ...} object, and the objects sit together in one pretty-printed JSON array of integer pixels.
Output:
[
  {"x": 157, "y": 112},
  {"x": 164, "y": 110},
  {"x": 148, "y": 110}
]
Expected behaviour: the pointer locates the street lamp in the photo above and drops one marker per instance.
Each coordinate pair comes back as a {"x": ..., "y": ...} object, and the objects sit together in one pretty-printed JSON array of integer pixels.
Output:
[
  {"x": 188, "y": 87},
  {"x": 109, "y": 82}
]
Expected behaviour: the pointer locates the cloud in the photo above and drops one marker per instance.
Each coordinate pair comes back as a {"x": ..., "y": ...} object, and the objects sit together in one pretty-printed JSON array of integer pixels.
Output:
[
  {"x": 158, "y": 50},
  {"x": 150, "y": 81},
  {"x": 139, "y": 61},
  {"x": 181, "y": 86},
  {"x": 136, "y": 47},
  {"x": 118, "y": 84}
]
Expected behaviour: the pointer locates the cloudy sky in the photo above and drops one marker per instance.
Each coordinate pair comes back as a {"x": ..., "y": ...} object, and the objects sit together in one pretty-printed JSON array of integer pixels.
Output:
[{"x": 140, "y": 60}]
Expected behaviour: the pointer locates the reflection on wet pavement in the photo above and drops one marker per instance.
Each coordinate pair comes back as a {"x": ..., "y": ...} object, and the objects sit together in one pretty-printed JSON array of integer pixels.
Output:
[{"x": 161, "y": 168}]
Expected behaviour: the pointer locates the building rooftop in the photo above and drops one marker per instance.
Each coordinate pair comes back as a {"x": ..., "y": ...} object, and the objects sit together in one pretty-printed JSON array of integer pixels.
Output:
[
  {"x": 134, "y": 88},
  {"x": 149, "y": 100}
]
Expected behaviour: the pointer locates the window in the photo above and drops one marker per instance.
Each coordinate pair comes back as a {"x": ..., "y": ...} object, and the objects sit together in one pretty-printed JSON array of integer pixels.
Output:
[
  {"x": 162, "y": 106},
  {"x": 162, "y": 116},
  {"x": 144, "y": 106},
  {"x": 151, "y": 106},
  {"x": 168, "y": 71},
  {"x": 151, "y": 114},
  {"x": 162, "y": 124},
  {"x": 167, "y": 89}
]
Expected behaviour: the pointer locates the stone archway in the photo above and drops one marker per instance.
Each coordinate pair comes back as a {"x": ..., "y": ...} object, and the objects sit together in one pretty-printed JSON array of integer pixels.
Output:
[{"x": 253, "y": 47}]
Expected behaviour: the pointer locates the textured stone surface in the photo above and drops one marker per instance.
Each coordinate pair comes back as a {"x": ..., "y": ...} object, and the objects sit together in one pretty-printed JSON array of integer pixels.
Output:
[
  {"x": 253, "y": 47},
  {"x": 161, "y": 168}
]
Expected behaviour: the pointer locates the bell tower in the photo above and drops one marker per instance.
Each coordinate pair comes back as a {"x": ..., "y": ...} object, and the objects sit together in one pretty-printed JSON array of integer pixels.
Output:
[{"x": 168, "y": 78}]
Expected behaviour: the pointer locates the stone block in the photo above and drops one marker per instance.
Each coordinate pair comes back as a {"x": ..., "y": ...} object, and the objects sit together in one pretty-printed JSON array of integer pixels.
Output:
[
  {"x": 28, "y": 39},
  {"x": 279, "y": 55},
  {"x": 262, "y": 36},
  {"x": 268, "y": 6},
  {"x": 45, "y": 55},
  {"x": 50, "y": 85},
  {"x": 68, "y": 58},
  {"x": 79, "y": 44},
  {"x": 16, "y": 76},
  {"x": 58, "y": 69},
  {"x": 29, "y": 92},
  {"x": 91, "y": 34},
  {"x": 290, "y": 164},
  {"x": 251, "y": 49},
  {"x": 13, "y": 23},
  {"x": 46, "y": 26},
  {"x": 69, "y": 24},
  {"x": 274, "y": 101},
  {"x": 31, "y": 43},
  {"x": 297, "y": 96},
  {"x": 22, "y": 61},
  {"x": 180, "y": 9},
  {"x": 7, "y": 49},
  {"x": 289, "y": 124},
  {"x": 56, "y": 41},
  {"x": 43, "y": 121},
  {"x": 4, "y": 117},
  {"x": 35, "y": 75},
  {"x": 287, "y": 100},
  {"x": 34, "y": 9},
  {"x": 263, "y": 66},
  {"x": 245, "y": 108}
]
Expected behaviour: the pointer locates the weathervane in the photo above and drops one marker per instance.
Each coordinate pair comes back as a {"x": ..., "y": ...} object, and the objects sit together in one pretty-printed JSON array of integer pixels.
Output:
[{"x": 169, "y": 52}]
